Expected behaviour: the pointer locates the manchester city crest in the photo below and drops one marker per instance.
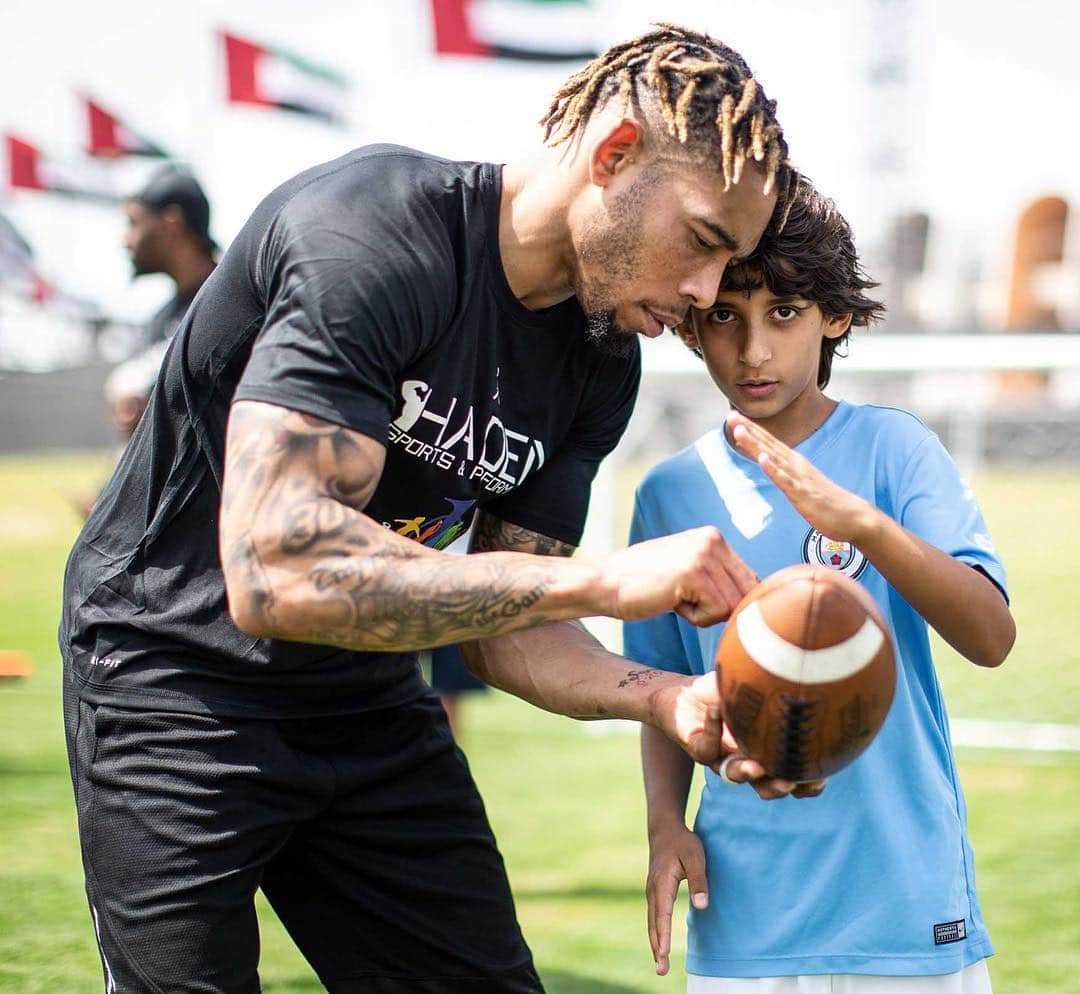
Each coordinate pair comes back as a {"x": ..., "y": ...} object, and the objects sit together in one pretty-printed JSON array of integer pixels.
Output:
[{"x": 820, "y": 550}]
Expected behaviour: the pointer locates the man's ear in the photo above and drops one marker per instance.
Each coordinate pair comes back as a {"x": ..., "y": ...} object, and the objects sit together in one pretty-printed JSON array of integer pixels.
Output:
[
  {"x": 173, "y": 217},
  {"x": 615, "y": 151},
  {"x": 836, "y": 324}
]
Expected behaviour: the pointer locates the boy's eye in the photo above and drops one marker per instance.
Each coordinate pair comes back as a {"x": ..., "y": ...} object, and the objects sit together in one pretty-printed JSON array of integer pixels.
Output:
[
  {"x": 785, "y": 312},
  {"x": 721, "y": 315}
]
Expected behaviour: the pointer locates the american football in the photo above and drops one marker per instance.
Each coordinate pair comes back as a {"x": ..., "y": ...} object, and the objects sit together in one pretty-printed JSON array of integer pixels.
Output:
[{"x": 806, "y": 672}]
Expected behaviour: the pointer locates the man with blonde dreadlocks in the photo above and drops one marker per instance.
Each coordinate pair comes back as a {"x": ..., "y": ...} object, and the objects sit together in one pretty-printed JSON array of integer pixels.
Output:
[{"x": 393, "y": 337}]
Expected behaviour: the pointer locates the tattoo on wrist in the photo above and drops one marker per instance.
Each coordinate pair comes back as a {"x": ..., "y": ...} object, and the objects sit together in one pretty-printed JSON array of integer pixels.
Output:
[{"x": 638, "y": 678}]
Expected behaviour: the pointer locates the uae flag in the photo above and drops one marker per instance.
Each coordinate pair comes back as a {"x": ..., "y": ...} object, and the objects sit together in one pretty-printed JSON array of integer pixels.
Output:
[
  {"x": 543, "y": 30},
  {"x": 30, "y": 169},
  {"x": 273, "y": 77},
  {"x": 110, "y": 138}
]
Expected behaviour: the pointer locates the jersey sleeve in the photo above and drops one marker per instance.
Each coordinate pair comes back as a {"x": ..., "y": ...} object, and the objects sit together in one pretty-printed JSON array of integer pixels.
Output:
[
  {"x": 936, "y": 503},
  {"x": 351, "y": 299},
  {"x": 554, "y": 500},
  {"x": 655, "y": 641}
]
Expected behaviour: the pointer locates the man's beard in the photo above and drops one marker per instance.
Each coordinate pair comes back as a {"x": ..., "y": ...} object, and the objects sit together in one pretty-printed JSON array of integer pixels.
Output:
[
  {"x": 613, "y": 246},
  {"x": 602, "y": 331}
]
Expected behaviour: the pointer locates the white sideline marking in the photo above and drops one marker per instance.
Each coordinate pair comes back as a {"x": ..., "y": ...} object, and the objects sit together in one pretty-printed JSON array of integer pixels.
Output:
[
  {"x": 1038, "y": 736},
  {"x": 792, "y": 662}
]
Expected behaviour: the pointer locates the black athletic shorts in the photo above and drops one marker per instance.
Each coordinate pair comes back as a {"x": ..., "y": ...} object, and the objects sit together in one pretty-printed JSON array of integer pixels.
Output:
[{"x": 365, "y": 832}]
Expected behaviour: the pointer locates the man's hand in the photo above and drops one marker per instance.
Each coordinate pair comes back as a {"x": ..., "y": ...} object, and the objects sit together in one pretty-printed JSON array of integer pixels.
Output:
[
  {"x": 675, "y": 854},
  {"x": 688, "y": 713},
  {"x": 828, "y": 507},
  {"x": 694, "y": 573}
]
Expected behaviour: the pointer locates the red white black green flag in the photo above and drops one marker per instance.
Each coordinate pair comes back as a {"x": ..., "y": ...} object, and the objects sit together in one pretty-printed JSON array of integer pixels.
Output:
[
  {"x": 111, "y": 138},
  {"x": 544, "y": 30},
  {"x": 31, "y": 169},
  {"x": 274, "y": 77}
]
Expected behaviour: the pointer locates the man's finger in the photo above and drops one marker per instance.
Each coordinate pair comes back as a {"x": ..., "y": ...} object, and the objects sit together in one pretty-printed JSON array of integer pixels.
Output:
[
  {"x": 771, "y": 788},
  {"x": 752, "y": 772},
  {"x": 740, "y": 769},
  {"x": 717, "y": 595},
  {"x": 742, "y": 576},
  {"x": 811, "y": 789}
]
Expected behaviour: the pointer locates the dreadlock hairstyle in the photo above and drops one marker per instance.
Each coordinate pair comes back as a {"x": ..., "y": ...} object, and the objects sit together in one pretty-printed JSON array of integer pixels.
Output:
[
  {"x": 703, "y": 91},
  {"x": 812, "y": 256}
]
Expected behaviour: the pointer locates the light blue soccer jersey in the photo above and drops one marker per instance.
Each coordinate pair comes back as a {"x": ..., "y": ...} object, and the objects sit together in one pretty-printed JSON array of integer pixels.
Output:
[{"x": 876, "y": 876}]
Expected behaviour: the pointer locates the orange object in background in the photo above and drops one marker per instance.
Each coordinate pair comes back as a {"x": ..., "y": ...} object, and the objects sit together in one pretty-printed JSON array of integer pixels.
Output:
[
  {"x": 14, "y": 663},
  {"x": 1040, "y": 243}
]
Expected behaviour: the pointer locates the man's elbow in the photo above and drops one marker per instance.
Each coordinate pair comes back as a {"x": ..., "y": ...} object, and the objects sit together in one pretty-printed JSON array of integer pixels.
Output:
[
  {"x": 254, "y": 605},
  {"x": 252, "y": 610}
]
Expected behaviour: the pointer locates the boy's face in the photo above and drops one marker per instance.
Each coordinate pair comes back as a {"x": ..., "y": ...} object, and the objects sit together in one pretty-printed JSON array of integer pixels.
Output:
[{"x": 763, "y": 352}]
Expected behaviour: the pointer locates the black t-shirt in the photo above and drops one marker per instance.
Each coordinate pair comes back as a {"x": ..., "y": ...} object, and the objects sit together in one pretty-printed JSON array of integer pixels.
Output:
[
  {"x": 368, "y": 292},
  {"x": 165, "y": 321}
]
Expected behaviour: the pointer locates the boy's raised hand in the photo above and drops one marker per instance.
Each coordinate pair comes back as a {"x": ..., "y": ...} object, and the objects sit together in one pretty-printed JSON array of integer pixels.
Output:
[
  {"x": 675, "y": 854},
  {"x": 828, "y": 507}
]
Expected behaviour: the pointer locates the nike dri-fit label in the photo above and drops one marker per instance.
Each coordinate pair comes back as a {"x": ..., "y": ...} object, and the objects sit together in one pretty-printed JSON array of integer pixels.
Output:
[{"x": 949, "y": 932}]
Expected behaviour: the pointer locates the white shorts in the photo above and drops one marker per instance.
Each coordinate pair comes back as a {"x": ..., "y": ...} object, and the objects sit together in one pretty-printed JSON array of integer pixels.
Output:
[{"x": 974, "y": 979}]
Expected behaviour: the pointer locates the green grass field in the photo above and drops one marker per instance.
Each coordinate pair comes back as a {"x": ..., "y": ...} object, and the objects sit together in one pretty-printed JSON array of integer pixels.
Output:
[{"x": 565, "y": 801}]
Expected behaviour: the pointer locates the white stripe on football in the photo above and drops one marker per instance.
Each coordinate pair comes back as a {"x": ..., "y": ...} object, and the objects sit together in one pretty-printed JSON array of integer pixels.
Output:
[{"x": 799, "y": 665}]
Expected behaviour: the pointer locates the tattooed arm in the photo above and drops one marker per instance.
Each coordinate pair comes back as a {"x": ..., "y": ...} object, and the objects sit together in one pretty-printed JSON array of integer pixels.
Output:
[
  {"x": 560, "y": 667},
  {"x": 302, "y": 562}
]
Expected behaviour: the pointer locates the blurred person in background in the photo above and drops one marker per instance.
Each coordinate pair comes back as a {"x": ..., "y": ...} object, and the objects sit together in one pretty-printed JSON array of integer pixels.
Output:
[{"x": 168, "y": 232}]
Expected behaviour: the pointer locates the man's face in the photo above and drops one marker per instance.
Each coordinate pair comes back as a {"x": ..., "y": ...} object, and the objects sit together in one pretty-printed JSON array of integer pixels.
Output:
[
  {"x": 658, "y": 243},
  {"x": 146, "y": 239}
]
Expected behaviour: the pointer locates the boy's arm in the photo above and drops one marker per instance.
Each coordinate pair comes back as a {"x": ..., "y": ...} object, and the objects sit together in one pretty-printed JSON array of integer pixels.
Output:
[
  {"x": 675, "y": 853},
  {"x": 959, "y": 602}
]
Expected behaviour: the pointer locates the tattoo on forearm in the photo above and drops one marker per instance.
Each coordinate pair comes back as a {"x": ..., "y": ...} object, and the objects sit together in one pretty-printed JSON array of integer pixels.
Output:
[
  {"x": 638, "y": 678},
  {"x": 494, "y": 535},
  {"x": 365, "y": 598},
  {"x": 291, "y": 506}
]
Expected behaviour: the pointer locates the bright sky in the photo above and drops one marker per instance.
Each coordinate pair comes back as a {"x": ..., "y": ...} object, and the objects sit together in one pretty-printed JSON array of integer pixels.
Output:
[{"x": 991, "y": 119}]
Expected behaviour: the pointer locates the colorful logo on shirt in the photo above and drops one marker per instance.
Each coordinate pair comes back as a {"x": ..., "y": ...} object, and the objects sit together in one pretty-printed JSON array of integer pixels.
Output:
[
  {"x": 820, "y": 550},
  {"x": 436, "y": 532}
]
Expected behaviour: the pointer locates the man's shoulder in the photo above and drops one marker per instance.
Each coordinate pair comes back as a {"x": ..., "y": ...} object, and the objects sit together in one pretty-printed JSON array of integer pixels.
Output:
[{"x": 380, "y": 175}]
